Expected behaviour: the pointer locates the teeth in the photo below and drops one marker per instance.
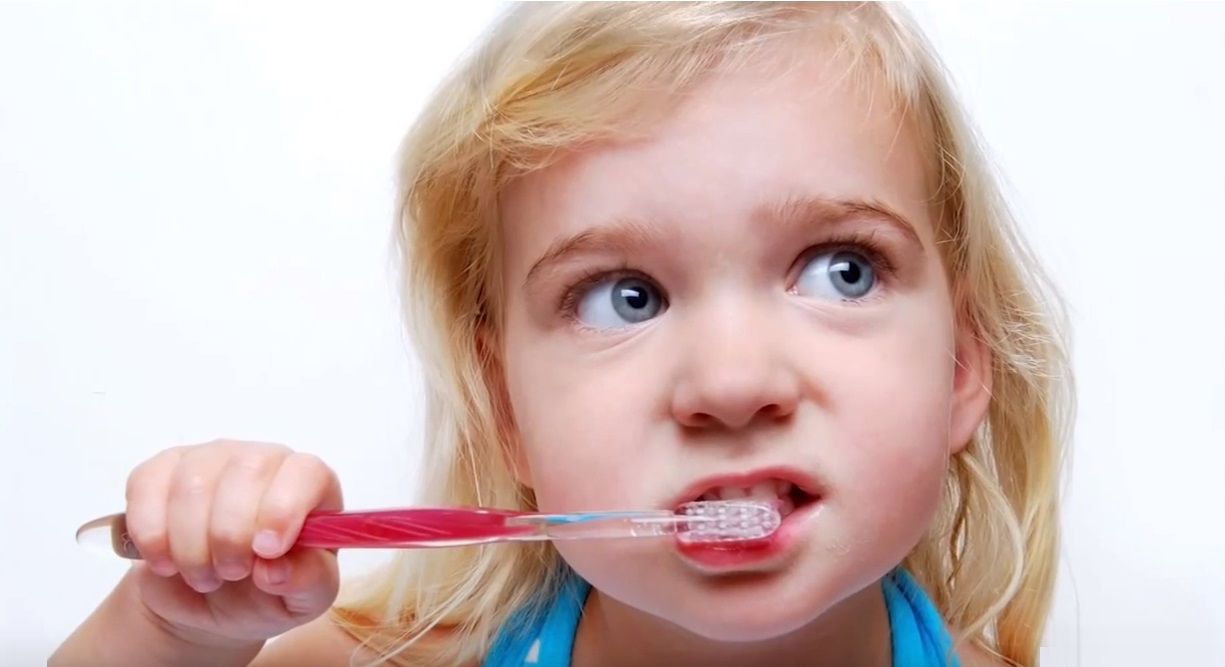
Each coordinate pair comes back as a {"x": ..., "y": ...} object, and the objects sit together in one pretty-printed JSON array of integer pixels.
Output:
[{"x": 767, "y": 490}]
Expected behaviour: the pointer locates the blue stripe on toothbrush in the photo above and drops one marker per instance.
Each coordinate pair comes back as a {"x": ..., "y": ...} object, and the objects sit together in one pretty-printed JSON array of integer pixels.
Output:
[{"x": 588, "y": 516}]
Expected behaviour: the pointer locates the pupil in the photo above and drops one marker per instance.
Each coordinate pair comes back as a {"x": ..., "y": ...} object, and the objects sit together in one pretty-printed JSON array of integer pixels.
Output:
[
  {"x": 635, "y": 300},
  {"x": 635, "y": 297},
  {"x": 850, "y": 272}
]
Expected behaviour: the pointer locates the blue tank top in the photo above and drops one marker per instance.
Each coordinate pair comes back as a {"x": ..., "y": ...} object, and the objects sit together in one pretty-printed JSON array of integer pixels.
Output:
[{"x": 545, "y": 637}]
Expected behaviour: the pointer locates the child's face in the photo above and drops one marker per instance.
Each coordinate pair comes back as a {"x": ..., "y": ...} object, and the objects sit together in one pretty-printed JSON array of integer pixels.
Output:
[{"x": 755, "y": 289}]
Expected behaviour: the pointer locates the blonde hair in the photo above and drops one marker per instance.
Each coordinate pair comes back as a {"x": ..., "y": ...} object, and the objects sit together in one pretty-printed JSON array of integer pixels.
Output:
[{"x": 556, "y": 76}]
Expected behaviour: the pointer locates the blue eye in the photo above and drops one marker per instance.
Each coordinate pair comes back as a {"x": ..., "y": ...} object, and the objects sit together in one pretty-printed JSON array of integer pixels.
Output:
[
  {"x": 619, "y": 302},
  {"x": 839, "y": 275}
]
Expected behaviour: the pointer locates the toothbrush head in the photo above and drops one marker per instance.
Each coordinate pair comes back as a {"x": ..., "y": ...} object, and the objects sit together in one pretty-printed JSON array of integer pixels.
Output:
[{"x": 722, "y": 521}]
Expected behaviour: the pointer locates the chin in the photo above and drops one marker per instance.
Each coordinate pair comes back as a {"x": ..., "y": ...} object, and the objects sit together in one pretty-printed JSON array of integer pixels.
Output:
[
  {"x": 735, "y": 607},
  {"x": 762, "y": 621}
]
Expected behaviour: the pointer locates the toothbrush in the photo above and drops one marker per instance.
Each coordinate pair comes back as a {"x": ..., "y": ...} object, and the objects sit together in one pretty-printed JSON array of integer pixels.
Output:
[{"x": 708, "y": 521}]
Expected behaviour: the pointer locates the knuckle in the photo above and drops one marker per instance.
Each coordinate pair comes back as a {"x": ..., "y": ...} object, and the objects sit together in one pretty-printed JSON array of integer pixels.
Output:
[
  {"x": 252, "y": 463},
  {"x": 190, "y": 484},
  {"x": 316, "y": 471},
  {"x": 281, "y": 508},
  {"x": 311, "y": 464},
  {"x": 270, "y": 448},
  {"x": 194, "y": 456},
  {"x": 147, "y": 473},
  {"x": 255, "y": 456},
  {"x": 229, "y": 537}
]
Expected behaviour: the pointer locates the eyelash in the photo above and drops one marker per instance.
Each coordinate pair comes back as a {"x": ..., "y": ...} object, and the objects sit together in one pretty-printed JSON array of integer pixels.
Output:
[
  {"x": 861, "y": 243},
  {"x": 568, "y": 304}
]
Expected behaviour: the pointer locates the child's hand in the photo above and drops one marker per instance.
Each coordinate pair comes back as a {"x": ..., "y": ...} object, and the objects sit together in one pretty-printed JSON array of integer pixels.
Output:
[{"x": 214, "y": 524}]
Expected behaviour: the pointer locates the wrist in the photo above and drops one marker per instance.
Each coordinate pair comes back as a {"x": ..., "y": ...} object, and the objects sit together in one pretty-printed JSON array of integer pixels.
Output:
[{"x": 124, "y": 632}]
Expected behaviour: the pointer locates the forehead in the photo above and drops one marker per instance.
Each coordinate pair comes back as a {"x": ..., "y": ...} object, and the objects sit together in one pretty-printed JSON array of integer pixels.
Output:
[{"x": 741, "y": 141}]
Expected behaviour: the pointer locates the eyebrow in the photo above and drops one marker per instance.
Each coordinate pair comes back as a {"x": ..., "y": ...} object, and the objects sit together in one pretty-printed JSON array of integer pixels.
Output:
[
  {"x": 624, "y": 236},
  {"x": 823, "y": 211},
  {"x": 627, "y": 236}
]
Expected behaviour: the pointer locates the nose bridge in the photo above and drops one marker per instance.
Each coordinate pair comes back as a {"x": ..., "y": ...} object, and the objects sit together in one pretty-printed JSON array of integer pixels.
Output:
[{"x": 732, "y": 370}]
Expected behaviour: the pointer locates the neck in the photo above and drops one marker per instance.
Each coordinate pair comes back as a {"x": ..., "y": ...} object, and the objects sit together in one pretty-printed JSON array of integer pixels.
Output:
[{"x": 855, "y": 633}]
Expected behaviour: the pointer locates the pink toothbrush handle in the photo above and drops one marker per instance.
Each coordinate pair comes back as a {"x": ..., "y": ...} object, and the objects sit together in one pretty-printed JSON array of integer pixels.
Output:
[
  {"x": 410, "y": 528},
  {"x": 371, "y": 529}
]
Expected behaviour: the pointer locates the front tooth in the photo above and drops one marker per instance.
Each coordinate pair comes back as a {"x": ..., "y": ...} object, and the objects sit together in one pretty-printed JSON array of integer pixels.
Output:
[
  {"x": 731, "y": 493},
  {"x": 764, "y": 491}
]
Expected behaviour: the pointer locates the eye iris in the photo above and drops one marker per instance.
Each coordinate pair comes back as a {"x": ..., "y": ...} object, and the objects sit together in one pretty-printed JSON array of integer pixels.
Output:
[
  {"x": 850, "y": 275},
  {"x": 634, "y": 300}
]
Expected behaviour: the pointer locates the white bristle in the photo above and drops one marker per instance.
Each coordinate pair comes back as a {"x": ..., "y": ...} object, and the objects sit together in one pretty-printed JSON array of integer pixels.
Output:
[{"x": 729, "y": 520}]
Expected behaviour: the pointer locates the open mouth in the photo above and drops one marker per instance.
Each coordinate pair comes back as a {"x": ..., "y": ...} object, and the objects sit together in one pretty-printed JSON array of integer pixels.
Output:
[{"x": 786, "y": 496}]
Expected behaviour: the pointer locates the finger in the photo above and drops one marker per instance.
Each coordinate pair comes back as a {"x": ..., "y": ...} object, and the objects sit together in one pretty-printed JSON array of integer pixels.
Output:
[
  {"x": 235, "y": 509},
  {"x": 301, "y": 485},
  {"x": 188, "y": 510},
  {"x": 307, "y": 580},
  {"x": 147, "y": 493}
]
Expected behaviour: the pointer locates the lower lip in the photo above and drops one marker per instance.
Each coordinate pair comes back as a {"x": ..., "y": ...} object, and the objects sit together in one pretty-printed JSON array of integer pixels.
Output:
[{"x": 749, "y": 553}]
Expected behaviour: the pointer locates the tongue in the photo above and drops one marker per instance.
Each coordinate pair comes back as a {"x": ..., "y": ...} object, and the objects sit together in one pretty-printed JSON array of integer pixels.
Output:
[{"x": 785, "y": 506}]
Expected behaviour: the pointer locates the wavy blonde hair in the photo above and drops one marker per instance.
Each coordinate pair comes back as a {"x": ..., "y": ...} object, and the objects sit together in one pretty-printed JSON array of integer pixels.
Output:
[{"x": 557, "y": 76}]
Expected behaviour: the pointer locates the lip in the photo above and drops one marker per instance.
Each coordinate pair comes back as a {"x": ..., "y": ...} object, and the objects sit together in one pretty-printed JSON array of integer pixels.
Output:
[
  {"x": 796, "y": 477},
  {"x": 751, "y": 555},
  {"x": 758, "y": 554}
]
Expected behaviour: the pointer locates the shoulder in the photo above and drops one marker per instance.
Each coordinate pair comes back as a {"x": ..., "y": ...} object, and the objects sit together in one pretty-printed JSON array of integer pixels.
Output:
[{"x": 320, "y": 642}]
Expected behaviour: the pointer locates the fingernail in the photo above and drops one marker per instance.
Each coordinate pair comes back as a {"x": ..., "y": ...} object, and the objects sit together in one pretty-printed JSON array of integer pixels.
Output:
[
  {"x": 278, "y": 571},
  {"x": 162, "y": 567},
  {"x": 206, "y": 583},
  {"x": 267, "y": 543},
  {"x": 231, "y": 570}
]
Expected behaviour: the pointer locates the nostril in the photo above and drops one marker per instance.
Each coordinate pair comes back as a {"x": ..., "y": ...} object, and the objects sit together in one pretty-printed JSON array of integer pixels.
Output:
[
  {"x": 704, "y": 420},
  {"x": 724, "y": 398},
  {"x": 698, "y": 420},
  {"x": 775, "y": 411}
]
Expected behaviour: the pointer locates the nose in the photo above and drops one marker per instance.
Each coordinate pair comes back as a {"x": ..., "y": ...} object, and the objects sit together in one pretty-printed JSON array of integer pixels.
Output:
[{"x": 732, "y": 377}]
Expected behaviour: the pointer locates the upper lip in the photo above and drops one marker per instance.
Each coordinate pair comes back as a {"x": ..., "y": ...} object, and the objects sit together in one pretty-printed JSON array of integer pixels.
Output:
[{"x": 798, "y": 478}]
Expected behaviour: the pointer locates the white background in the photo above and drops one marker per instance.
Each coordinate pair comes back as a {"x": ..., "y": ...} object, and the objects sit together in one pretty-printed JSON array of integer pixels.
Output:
[{"x": 194, "y": 214}]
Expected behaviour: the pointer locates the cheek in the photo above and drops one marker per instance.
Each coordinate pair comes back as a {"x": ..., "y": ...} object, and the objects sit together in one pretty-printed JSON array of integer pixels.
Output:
[
  {"x": 581, "y": 429},
  {"x": 896, "y": 429}
]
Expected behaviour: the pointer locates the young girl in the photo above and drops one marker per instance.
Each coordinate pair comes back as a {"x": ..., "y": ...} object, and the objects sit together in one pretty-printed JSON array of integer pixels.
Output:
[{"x": 656, "y": 252}]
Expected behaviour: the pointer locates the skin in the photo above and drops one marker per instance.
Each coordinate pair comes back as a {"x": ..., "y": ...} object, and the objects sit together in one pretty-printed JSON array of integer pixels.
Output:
[
  {"x": 739, "y": 353},
  {"x": 755, "y": 358},
  {"x": 213, "y": 523}
]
